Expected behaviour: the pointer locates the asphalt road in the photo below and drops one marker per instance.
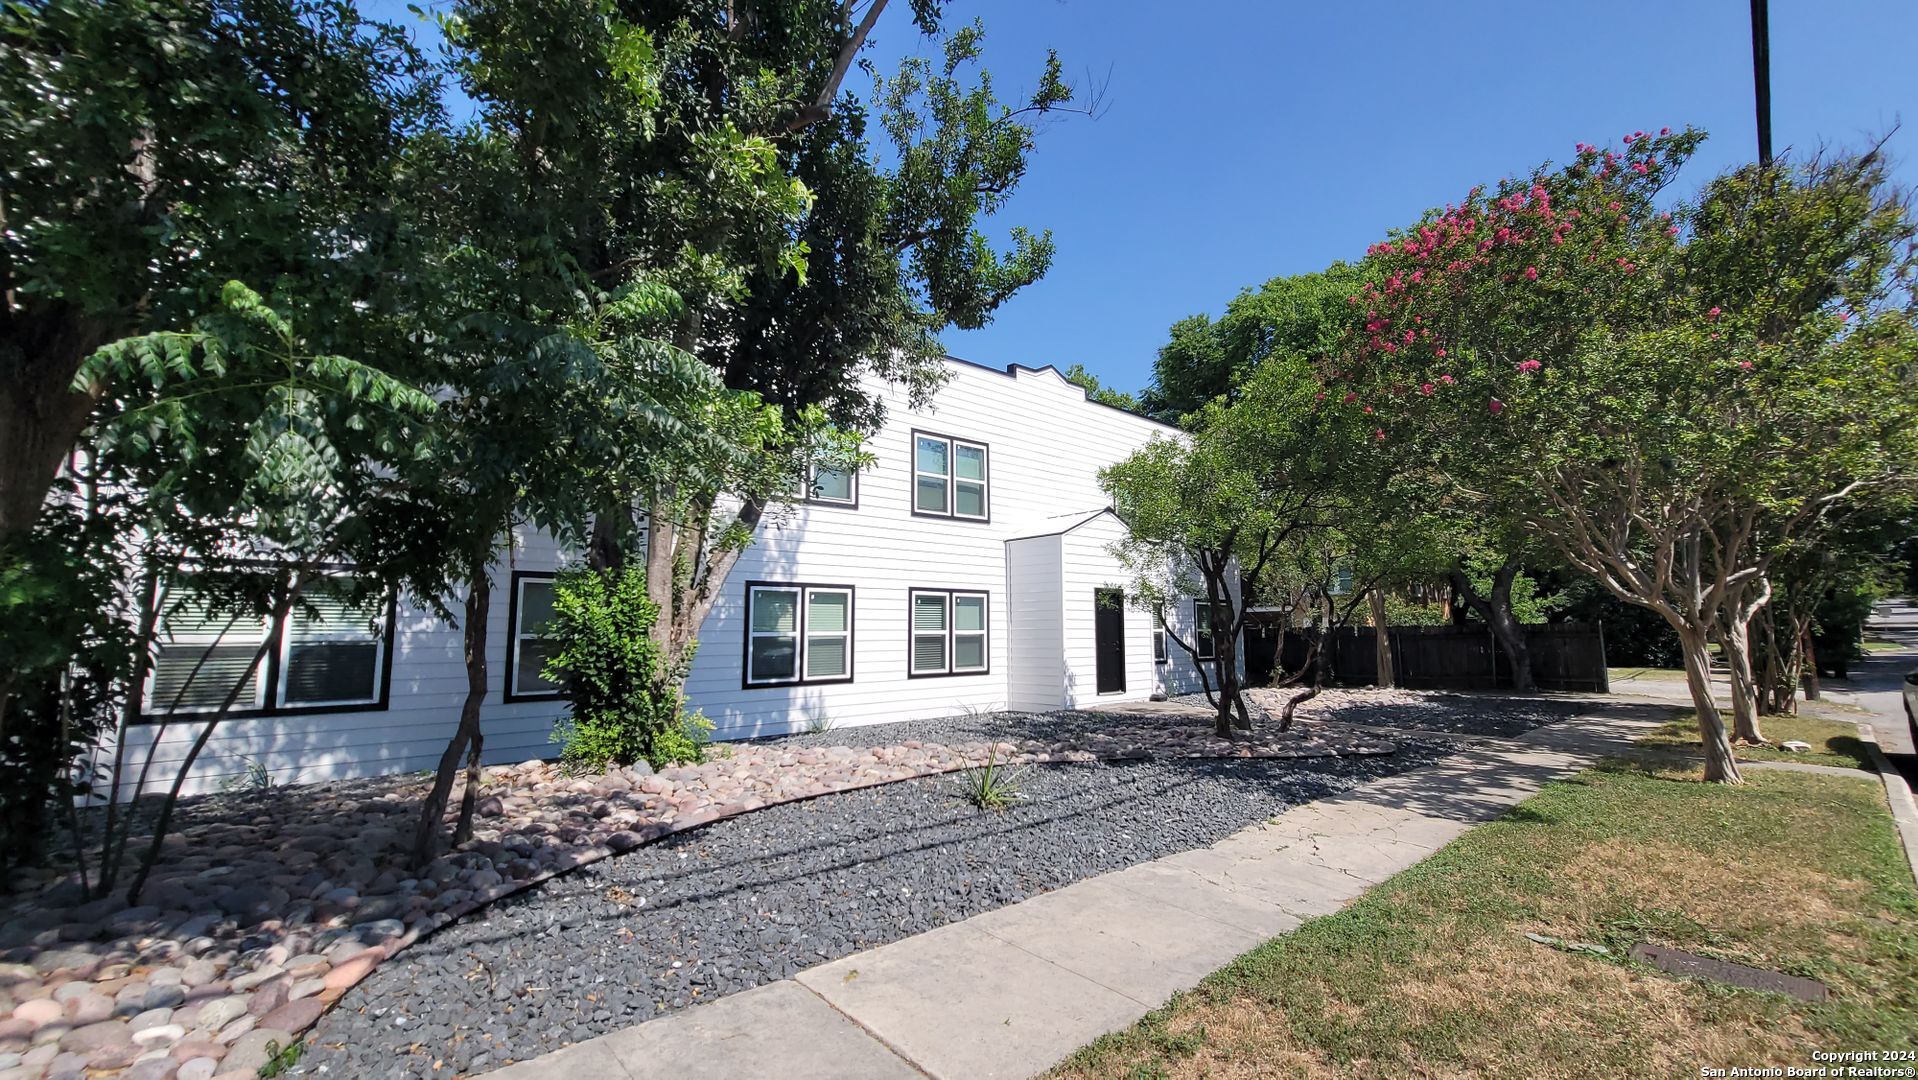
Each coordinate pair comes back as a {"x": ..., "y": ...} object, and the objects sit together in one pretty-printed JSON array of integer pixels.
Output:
[{"x": 1877, "y": 683}]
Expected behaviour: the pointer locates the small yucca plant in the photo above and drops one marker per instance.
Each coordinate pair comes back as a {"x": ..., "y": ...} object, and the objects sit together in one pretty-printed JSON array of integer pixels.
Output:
[{"x": 992, "y": 786}]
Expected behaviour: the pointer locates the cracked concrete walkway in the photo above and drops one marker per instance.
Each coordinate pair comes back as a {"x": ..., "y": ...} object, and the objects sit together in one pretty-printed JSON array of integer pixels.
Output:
[{"x": 1012, "y": 992}]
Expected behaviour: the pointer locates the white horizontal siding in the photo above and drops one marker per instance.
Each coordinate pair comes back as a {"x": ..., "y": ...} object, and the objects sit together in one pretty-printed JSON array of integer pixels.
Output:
[
  {"x": 1035, "y": 675},
  {"x": 1046, "y": 443}
]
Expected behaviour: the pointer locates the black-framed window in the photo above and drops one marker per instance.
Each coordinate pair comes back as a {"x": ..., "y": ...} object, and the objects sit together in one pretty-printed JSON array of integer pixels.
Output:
[
  {"x": 331, "y": 653},
  {"x": 1159, "y": 655},
  {"x": 833, "y": 487},
  {"x": 797, "y": 633},
  {"x": 528, "y": 647},
  {"x": 950, "y": 632},
  {"x": 950, "y": 477},
  {"x": 1202, "y": 629}
]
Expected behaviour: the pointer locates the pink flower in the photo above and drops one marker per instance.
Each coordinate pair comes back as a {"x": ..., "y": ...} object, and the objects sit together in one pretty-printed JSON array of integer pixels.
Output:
[
  {"x": 1671, "y": 230},
  {"x": 1426, "y": 389},
  {"x": 1641, "y": 168},
  {"x": 1665, "y": 131},
  {"x": 1320, "y": 396},
  {"x": 1712, "y": 314},
  {"x": 1378, "y": 435},
  {"x": 1351, "y": 396},
  {"x": 1528, "y": 366},
  {"x": 1531, "y": 273},
  {"x": 1496, "y": 406},
  {"x": 1746, "y": 364},
  {"x": 1368, "y": 410},
  {"x": 1447, "y": 379},
  {"x": 1440, "y": 353},
  {"x": 1844, "y": 316},
  {"x": 1615, "y": 204},
  {"x": 1410, "y": 337}
]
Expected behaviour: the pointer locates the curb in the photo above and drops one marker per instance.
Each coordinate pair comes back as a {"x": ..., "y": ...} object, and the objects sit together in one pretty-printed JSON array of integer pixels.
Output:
[{"x": 1904, "y": 808}]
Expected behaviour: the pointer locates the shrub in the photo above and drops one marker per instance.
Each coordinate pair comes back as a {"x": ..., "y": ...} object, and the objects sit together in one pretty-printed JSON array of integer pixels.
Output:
[{"x": 624, "y": 703}]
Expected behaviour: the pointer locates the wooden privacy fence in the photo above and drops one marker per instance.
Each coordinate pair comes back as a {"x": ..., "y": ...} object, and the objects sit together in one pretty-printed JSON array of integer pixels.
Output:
[{"x": 1565, "y": 656}]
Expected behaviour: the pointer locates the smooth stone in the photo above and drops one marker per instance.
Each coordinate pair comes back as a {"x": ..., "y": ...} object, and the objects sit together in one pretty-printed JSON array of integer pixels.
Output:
[
  {"x": 153, "y": 1069},
  {"x": 199, "y": 1068},
  {"x": 190, "y": 1048},
  {"x": 219, "y": 1012},
  {"x": 95, "y": 1036},
  {"x": 39, "y": 1011},
  {"x": 164, "y": 1033},
  {"x": 149, "y": 1019},
  {"x": 355, "y": 968},
  {"x": 294, "y": 1015},
  {"x": 249, "y": 1052}
]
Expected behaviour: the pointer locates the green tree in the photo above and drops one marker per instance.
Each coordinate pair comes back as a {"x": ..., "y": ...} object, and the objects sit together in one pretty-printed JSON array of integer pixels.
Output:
[
  {"x": 1300, "y": 316},
  {"x": 1668, "y": 410},
  {"x": 157, "y": 150},
  {"x": 1078, "y": 376},
  {"x": 224, "y": 471},
  {"x": 1255, "y": 479},
  {"x": 887, "y": 252}
]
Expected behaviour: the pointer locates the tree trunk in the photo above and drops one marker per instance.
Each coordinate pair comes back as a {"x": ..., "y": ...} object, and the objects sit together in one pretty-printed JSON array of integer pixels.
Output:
[
  {"x": 1720, "y": 765},
  {"x": 1496, "y": 610},
  {"x": 1382, "y": 635},
  {"x": 1736, "y": 641},
  {"x": 1292, "y": 703},
  {"x": 41, "y": 417},
  {"x": 426, "y": 837},
  {"x": 1813, "y": 692}
]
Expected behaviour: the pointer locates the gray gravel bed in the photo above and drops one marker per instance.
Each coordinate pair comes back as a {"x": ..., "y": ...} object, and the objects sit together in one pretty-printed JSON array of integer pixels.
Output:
[
  {"x": 755, "y": 899},
  {"x": 1499, "y": 715},
  {"x": 965, "y": 727}
]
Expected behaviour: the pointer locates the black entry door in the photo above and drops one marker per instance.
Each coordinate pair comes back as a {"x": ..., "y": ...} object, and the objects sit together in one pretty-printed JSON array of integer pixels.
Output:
[{"x": 1108, "y": 638}]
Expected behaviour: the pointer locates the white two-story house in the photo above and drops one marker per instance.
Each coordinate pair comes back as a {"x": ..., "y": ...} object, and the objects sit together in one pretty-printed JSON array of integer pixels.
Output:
[{"x": 970, "y": 567}]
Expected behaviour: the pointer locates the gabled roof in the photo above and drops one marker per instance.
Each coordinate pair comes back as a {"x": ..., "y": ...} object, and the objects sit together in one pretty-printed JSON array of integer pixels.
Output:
[{"x": 1069, "y": 522}]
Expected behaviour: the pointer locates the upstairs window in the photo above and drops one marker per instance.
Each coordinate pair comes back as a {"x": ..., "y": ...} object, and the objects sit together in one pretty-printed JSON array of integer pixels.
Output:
[
  {"x": 833, "y": 487},
  {"x": 798, "y": 634},
  {"x": 949, "y": 478},
  {"x": 949, "y": 633}
]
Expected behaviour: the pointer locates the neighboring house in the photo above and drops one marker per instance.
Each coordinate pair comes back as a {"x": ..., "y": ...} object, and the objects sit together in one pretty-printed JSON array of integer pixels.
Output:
[{"x": 969, "y": 568}]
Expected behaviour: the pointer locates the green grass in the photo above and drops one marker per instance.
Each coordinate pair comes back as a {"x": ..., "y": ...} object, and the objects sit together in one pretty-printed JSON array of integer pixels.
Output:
[
  {"x": 1882, "y": 646},
  {"x": 1832, "y": 743},
  {"x": 1430, "y": 973}
]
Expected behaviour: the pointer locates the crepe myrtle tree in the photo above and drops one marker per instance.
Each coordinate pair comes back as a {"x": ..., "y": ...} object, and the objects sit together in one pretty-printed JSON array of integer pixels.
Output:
[
  {"x": 1220, "y": 503},
  {"x": 1664, "y": 397}
]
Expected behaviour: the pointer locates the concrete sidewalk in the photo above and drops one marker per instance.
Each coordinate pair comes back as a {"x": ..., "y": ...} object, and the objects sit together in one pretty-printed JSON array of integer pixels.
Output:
[{"x": 1012, "y": 992}]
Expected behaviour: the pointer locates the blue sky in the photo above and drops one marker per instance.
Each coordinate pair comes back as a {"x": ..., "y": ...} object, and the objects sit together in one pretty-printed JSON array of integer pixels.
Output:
[{"x": 1249, "y": 139}]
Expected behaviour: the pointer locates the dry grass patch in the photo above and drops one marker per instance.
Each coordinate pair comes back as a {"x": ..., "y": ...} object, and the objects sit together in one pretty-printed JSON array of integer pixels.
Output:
[{"x": 1431, "y": 975}]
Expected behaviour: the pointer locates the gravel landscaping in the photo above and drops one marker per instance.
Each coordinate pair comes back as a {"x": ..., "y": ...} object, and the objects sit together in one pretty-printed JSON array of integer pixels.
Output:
[
  {"x": 756, "y": 898},
  {"x": 267, "y": 908},
  {"x": 1499, "y": 716}
]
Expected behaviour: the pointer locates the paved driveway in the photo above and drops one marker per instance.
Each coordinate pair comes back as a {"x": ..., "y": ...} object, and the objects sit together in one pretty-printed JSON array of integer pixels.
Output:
[{"x": 1877, "y": 683}]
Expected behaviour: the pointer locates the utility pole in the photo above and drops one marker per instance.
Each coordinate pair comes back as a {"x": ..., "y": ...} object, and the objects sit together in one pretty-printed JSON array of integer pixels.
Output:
[{"x": 1761, "y": 78}]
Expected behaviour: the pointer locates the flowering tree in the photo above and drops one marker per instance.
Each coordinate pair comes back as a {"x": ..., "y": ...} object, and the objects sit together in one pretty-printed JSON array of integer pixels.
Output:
[{"x": 1666, "y": 398}]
